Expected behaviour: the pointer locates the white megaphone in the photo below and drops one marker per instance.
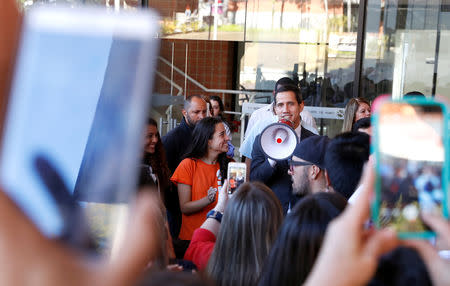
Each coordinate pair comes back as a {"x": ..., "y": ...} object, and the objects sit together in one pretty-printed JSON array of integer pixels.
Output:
[{"x": 278, "y": 141}]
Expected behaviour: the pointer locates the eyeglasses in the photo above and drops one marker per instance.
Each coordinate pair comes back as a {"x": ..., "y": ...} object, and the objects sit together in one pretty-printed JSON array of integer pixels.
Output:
[{"x": 297, "y": 163}]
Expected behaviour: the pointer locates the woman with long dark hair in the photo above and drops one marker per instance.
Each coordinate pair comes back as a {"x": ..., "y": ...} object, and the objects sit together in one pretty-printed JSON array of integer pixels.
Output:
[
  {"x": 298, "y": 243},
  {"x": 154, "y": 170},
  {"x": 201, "y": 173}
]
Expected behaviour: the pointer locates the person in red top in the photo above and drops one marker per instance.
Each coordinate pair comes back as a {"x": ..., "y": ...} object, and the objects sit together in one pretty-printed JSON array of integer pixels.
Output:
[{"x": 200, "y": 175}]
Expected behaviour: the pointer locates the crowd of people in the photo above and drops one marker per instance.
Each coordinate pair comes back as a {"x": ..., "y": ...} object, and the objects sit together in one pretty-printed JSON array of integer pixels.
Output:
[{"x": 295, "y": 221}]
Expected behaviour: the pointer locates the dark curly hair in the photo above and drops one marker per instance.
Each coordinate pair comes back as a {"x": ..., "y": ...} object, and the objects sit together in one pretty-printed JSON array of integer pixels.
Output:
[{"x": 158, "y": 161}]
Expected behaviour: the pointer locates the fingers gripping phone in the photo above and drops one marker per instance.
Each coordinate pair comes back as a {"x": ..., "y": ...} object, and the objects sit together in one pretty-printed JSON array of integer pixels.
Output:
[
  {"x": 76, "y": 110},
  {"x": 411, "y": 165},
  {"x": 236, "y": 176}
]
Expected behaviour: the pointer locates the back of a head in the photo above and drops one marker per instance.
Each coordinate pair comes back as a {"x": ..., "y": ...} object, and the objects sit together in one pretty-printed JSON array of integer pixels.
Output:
[
  {"x": 401, "y": 267},
  {"x": 283, "y": 81},
  {"x": 344, "y": 161},
  {"x": 363, "y": 123},
  {"x": 170, "y": 278},
  {"x": 249, "y": 227},
  {"x": 300, "y": 238},
  {"x": 414, "y": 94}
]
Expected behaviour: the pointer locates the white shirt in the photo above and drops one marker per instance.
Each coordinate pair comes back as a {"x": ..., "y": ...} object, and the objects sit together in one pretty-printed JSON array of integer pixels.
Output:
[
  {"x": 308, "y": 120},
  {"x": 264, "y": 117}
]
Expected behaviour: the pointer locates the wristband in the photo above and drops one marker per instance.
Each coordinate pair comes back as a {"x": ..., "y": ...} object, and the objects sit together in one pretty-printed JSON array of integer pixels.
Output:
[{"x": 215, "y": 215}]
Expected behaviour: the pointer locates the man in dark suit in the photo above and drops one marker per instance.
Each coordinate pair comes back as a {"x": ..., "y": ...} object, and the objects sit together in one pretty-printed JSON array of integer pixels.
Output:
[{"x": 288, "y": 105}]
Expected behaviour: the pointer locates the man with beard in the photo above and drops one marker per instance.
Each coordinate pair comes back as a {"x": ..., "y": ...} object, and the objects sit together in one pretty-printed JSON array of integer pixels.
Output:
[
  {"x": 307, "y": 167},
  {"x": 176, "y": 143},
  {"x": 178, "y": 139}
]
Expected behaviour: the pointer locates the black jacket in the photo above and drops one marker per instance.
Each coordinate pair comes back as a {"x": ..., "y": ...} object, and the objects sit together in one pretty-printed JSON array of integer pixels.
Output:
[
  {"x": 176, "y": 143},
  {"x": 277, "y": 177}
]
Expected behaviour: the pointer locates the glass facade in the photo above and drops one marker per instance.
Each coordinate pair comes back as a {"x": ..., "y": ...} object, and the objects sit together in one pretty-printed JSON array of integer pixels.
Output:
[
  {"x": 406, "y": 48},
  {"x": 239, "y": 49}
]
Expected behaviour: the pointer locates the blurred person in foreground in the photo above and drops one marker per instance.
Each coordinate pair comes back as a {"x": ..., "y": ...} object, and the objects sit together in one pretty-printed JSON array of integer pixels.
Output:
[
  {"x": 30, "y": 258},
  {"x": 299, "y": 240},
  {"x": 237, "y": 235}
]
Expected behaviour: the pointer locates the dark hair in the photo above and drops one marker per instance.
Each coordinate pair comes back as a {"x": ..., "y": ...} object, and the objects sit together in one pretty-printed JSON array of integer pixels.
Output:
[
  {"x": 362, "y": 123},
  {"x": 298, "y": 243},
  {"x": 401, "y": 267},
  {"x": 204, "y": 131},
  {"x": 288, "y": 87},
  {"x": 219, "y": 100},
  {"x": 158, "y": 163},
  {"x": 249, "y": 226},
  {"x": 171, "y": 278},
  {"x": 283, "y": 81},
  {"x": 414, "y": 94},
  {"x": 344, "y": 161}
]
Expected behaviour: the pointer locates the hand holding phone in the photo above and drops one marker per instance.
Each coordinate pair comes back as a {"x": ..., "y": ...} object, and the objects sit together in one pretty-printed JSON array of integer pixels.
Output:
[
  {"x": 236, "y": 175},
  {"x": 411, "y": 166}
]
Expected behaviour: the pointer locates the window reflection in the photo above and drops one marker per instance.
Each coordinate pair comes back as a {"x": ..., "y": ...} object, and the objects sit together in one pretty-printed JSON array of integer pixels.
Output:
[{"x": 400, "y": 52}]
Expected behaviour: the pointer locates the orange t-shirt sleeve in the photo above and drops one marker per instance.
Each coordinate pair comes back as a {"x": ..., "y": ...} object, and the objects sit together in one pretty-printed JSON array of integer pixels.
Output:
[{"x": 184, "y": 173}]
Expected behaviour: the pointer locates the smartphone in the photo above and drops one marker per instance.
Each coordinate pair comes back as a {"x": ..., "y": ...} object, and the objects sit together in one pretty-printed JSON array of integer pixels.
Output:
[
  {"x": 411, "y": 171},
  {"x": 76, "y": 110},
  {"x": 236, "y": 175}
]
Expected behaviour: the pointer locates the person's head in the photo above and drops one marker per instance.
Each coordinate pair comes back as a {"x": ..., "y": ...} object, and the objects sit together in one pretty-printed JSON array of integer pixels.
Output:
[
  {"x": 216, "y": 105},
  {"x": 155, "y": 156},
  {"x": 401, "y": 267},
  {"x": 288, "y": 103},
  {"x": 363, "y": 125},
  {"x": 355, "y": 109},
  {"x": 414, "y": 94},
  {"x": 344, "y": 161},
  {"x": 172, "y": 278},
  {"x": 208, "y": 136},
  {"x": 307, "y": 166},
  {"x": 152, "y": 137},
  {"x": 299, "y": 240},
  {"x": 194, "y": 109},
  {"x": 281, "y": 82},
  {"x": 249, "y": 226}
]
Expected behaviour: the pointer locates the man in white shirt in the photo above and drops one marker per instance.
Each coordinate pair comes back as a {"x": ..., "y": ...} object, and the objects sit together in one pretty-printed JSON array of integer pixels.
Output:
[
  {"x": 288, "y": 105},
  {"x": 265, "y": 116}
]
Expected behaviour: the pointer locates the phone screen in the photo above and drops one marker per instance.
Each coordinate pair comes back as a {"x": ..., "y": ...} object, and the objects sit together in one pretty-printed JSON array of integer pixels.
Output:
[
  {"x": 410, "y": 165},
  {"x": 77, "y": 108},
  {"x": 236, "y": 176}
]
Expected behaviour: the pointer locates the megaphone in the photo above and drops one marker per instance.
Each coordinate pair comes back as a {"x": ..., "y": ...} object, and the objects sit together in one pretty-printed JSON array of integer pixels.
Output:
[{"x": 278, "y": 141}]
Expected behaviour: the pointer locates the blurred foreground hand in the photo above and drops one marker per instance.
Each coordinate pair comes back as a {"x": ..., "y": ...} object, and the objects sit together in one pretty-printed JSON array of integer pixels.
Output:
[
  {"x": 350, "y": 253},
  {"x": 29, "y": 258}
]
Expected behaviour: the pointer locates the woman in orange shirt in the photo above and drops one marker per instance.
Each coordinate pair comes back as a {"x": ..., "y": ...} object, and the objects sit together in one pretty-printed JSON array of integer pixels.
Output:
[{"x": 199, "y": 176}]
